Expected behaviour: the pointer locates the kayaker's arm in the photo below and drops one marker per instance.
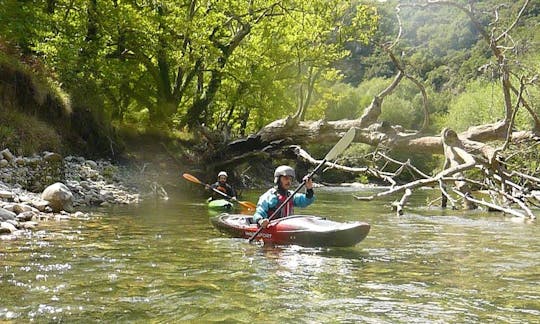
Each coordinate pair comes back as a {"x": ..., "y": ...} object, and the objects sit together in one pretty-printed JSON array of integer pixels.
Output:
[
  {"x": 231, "y": 192},
  {"x": 266, "y": 201},
  {"x": 304, "y": 200}
]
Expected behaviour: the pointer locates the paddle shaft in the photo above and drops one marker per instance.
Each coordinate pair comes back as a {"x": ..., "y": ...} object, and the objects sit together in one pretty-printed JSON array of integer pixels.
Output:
[
  {"x": 245, "y": 204},
  {"x": 289, "y": 198},
  {"x": 219, "y": 191}
]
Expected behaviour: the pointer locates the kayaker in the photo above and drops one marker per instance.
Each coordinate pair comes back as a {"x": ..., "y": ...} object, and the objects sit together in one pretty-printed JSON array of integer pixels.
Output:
[
  {"x": 273, "y": 198},
  {"x": 222, "y": 185}
]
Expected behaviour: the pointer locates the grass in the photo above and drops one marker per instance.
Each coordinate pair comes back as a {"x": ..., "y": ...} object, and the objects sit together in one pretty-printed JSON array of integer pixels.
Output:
[{"x": 26, "y": 135}]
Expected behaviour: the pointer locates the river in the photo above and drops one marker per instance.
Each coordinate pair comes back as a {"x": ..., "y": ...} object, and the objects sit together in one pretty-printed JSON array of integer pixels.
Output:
[{"x": 164, "y": 262}]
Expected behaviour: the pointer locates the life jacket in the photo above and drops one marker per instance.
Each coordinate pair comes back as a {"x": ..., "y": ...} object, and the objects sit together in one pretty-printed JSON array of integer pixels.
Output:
[
  {"x": 222, "y": 188},
  {"x": 287, "y": 210}
]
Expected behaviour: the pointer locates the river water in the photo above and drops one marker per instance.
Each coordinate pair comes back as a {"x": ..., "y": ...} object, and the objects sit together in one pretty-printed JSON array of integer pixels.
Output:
[{"x": 164, "y": 262}]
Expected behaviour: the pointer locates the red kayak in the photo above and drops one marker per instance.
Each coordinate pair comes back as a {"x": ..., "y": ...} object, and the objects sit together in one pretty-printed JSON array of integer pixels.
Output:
[{"x": 301, "y": 230}]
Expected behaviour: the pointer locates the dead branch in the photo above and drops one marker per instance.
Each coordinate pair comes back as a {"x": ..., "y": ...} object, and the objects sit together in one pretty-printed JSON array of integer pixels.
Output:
[
  {"x": 399, "y": 205},
  {"x": 490, "y": 205}
]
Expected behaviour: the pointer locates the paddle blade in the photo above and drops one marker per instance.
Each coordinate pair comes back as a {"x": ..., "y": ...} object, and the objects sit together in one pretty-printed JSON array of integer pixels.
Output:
[
  {"x": 341, "y": 145},
  {"x": 248, "y": 205},
  {"x": 191, "y": 178}
]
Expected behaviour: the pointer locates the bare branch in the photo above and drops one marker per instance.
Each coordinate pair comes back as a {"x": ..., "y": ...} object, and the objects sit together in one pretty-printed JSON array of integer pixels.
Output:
[
  {"x": 399, "y": 205},
  {"x": 490, "y": 205},
  {"x": 519, "y": 15}
]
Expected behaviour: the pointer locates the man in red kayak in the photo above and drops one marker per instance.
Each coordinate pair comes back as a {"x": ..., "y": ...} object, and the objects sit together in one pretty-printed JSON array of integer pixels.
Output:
[
  {"x": 273, "y": 198},
  {"x": 222, "y": 186}
]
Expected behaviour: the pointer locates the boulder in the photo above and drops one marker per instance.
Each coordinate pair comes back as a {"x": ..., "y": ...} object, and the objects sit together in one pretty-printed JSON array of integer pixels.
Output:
[
  {"x": 4, "y": 194},
  {"x": 40, "y": 205},
  {"x": 7, "y": 155},
  {"x": 7, "y": 228},
  {"x": 59, "y": 197},
  {"x": 6, "y": 215},
  {"x": 27, "y": 216},
  {"x": 52, "y": 157}
]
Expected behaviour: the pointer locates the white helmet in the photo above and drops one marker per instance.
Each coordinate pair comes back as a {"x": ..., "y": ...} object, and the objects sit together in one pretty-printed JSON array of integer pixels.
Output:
[
  {"x": 222, "y": 173},
  {"x": 283, "y": 170}
]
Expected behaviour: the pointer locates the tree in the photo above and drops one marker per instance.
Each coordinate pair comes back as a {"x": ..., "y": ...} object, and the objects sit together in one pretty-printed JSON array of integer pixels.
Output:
[
  {"x": 483, "y": 147},
  {"x": 180, "y": 61}
]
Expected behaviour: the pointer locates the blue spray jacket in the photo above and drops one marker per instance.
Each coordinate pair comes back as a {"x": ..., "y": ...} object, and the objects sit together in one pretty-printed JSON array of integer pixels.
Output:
[{"x": 270, "y": 201}]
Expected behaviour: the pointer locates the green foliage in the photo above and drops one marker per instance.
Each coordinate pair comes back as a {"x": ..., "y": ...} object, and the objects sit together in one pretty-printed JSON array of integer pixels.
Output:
[
  {"x": 341, "y": 101},
  {"x": 524, "y": 157},
  {"x": 228, "y": 64},
  {"x": 403, "y": 106},
  {"x": 345, "y": 101},
  {"x": 109, "y": 172},
  {"x": 237, "y": 65},
  {"x": 481, "y": 103}
]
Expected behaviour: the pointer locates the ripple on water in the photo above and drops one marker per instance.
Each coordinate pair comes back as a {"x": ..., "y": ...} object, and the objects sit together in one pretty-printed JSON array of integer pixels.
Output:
[{"x": 167, "y": 263}]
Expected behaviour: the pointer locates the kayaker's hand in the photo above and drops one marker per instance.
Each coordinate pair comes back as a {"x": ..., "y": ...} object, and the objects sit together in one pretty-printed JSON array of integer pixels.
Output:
[
  {"x": 264, "y": 222},
  {"x": 207, "y": 187},
  {"x": 309, "y": 182}
]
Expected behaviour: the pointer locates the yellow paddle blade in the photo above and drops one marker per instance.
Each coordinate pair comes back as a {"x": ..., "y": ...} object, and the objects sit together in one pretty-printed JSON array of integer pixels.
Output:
[
  {"x": 248, "y": 205},
  {"x": 191, "y": 178}
]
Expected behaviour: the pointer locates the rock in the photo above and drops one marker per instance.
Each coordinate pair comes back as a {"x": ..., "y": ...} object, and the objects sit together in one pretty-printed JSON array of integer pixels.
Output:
[
  {"x": 6, "y": 214},
  {"x": 9, "y": 207},
  {"x": 8, "y": 156},
  {"x": 59, "y": 197},
  {"x": 52, "y": 157},
  {"x": 29, "y": 225},
  {"x": 21, "y": 208},
  {"x": 44, "y": 217},
  {"x": 6, "y": 194},
  {"x": 91, "y": 164},
  {"x": 40, "y": 205},
  {"x": 78, "y": 214},
  {"x": 7, "y": 228},
  {"x": 62, "y": 217},
  {"x": 13, "y": 222},
  {"x": 3, "y": 163},
  {"x": 26, "y": 216}
]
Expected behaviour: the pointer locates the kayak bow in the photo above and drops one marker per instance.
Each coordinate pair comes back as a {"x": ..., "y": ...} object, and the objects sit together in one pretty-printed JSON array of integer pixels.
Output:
[{"x": 220, "y": 204}]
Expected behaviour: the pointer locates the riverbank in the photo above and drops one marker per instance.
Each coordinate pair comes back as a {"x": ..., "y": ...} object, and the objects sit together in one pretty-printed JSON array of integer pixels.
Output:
[{"x": 49, "y": 187}]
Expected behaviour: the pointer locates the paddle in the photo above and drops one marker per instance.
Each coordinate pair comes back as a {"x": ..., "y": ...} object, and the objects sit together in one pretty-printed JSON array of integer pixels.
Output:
[
  {"x": 193, "y": 179},
  {"x": 340, "y": 146}
]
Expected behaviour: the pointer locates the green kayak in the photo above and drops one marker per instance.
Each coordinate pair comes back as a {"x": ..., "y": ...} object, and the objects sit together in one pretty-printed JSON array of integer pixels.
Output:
[{"x": 220, "y": 204}]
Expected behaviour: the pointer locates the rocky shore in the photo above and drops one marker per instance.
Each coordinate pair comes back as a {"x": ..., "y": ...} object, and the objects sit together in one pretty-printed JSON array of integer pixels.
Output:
[{"x": 50, "y": 187}]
